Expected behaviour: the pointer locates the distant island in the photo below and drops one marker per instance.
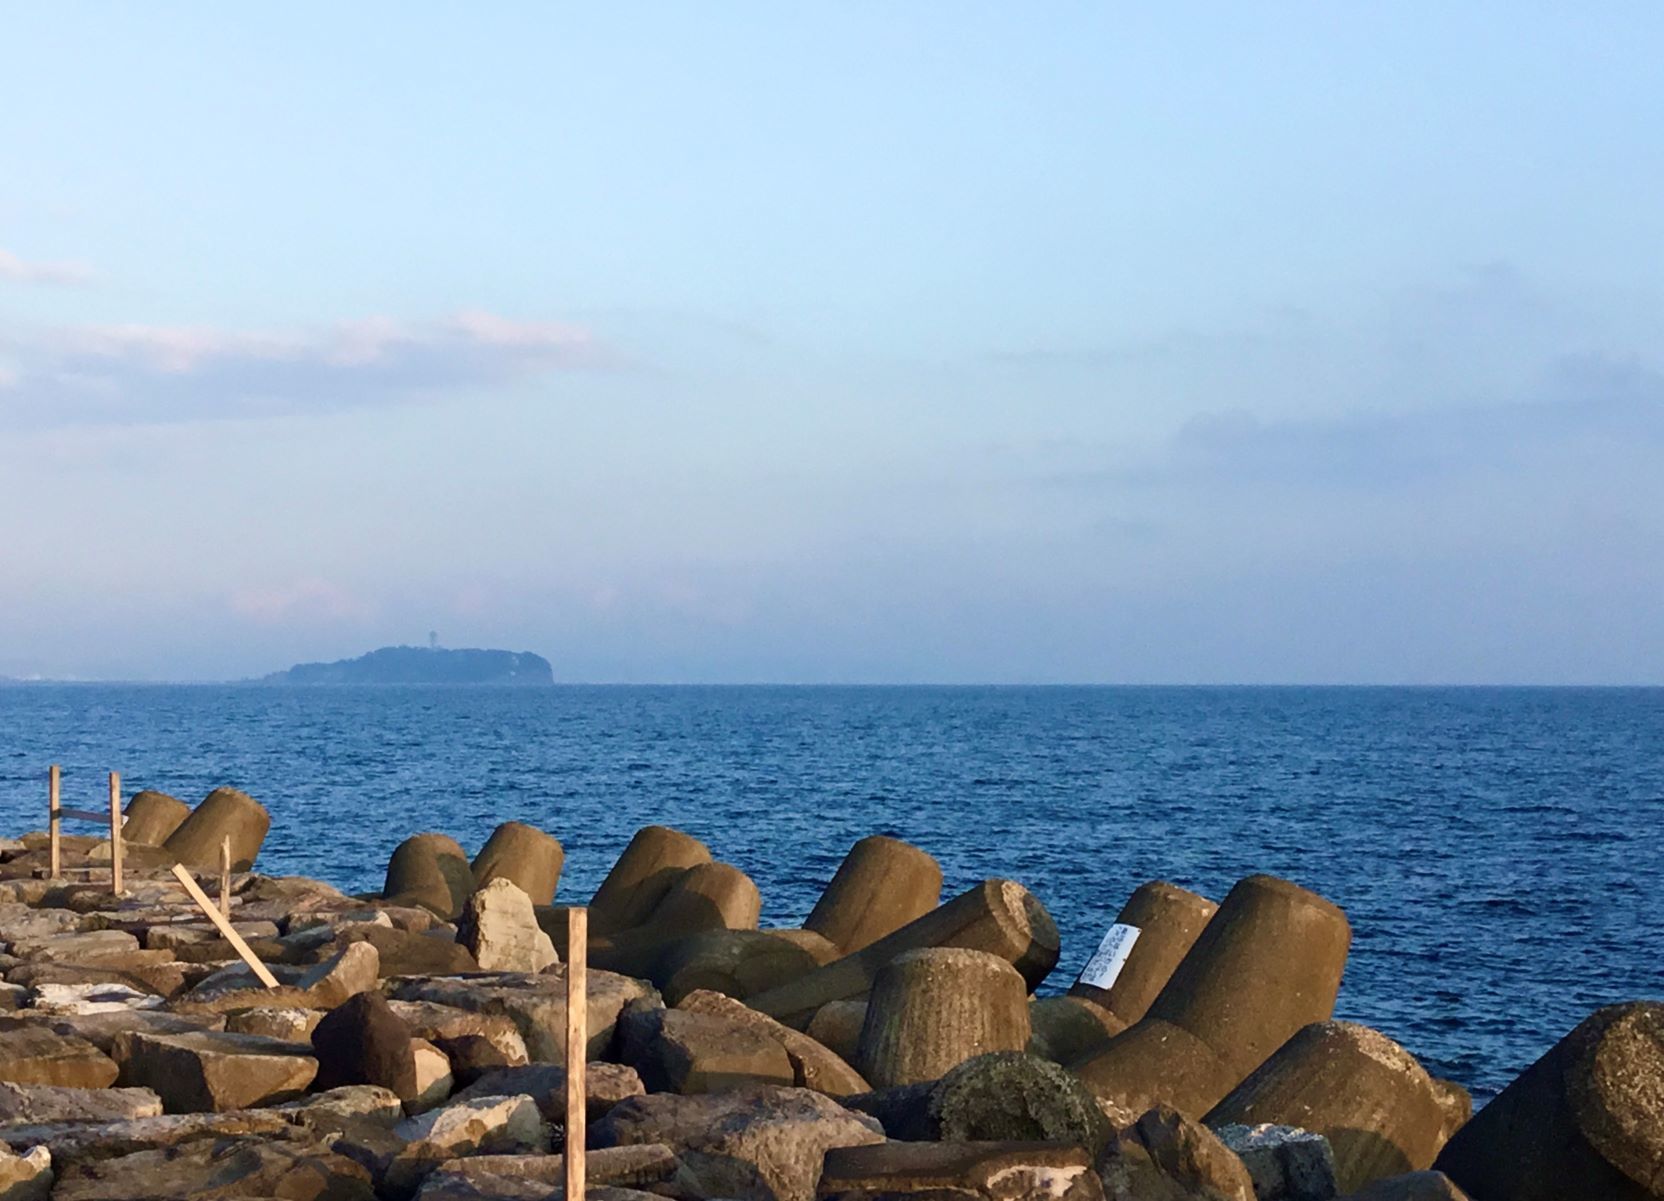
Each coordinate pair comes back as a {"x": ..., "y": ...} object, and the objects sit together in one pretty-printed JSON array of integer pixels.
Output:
[{"x": 422, "y": 665}]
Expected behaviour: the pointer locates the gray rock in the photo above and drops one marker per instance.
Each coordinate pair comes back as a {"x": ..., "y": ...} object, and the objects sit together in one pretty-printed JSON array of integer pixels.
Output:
[
  {"x": 535, "y": 1003},
  {"x": 211, "y": 1170},
  {"x": 32, "y": 1055},
  {"x": 75, "y": 1141},
  {"x": 1285, "y": 1162},
  {"x": 605, "y": 1085},
  {"x": 26, "y": 1177},
  {"x": 540, "y": 1177},
  {"x": 764, "y": 1143},
  {"x": 484, "y": 1125},
  {"x": 323, "y": 986},
  {"x": 681, "y": 1052},
  {"x": 499, "y": 928},
  {"x": 215, "y": 1072},
  {"x": 33, "y": 1104}
]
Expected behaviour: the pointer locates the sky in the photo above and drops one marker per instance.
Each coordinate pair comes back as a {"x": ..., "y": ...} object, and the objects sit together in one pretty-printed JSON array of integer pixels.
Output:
[{"x": 934, "y": 342}]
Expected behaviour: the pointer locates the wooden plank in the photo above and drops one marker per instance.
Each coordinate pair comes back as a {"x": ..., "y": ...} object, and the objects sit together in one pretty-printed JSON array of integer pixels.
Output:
[
  {"x": 577, "y": 1045},
  {"x": 115, "y": 833},
  {"x": 83, "y": 815},
  {"x": 224, "y": 927},
  {"x": 53, "y": 779}
]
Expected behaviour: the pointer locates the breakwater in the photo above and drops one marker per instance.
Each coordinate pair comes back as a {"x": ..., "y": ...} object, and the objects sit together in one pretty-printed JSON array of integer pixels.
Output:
[
  {"x": 416, "y": 1042},
  {"x": 1497, "y": 849}
]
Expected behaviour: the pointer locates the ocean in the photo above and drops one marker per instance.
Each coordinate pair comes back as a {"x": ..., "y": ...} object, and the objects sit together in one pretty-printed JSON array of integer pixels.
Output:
[{"x": 1499, "y": 851}]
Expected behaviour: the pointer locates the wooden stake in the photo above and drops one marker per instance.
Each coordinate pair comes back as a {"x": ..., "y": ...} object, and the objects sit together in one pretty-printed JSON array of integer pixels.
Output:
[
  {"x": 577, "y": 1045},
  {"x": 53, "y": 780},
  {"x": 225, "y": 876},
  {"x": 115, "y": 833},
  {"x": 224, "y": 927}
]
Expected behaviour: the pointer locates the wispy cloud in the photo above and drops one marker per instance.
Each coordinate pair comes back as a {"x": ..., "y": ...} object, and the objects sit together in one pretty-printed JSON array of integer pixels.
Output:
[
  {"x": 311, "y": 600},
  {"x": 1578, "y": 398},
  {"x": 148, "y": 374},
  {"x": 23, "y": 271}
]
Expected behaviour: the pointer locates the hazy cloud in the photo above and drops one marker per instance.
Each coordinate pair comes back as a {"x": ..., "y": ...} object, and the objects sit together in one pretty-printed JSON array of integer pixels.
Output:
[
  {"x": 310, "y": 600},
  {"x": 22, "y": 271},
  {"x": 1587, "y": 397},
  {"x": 147, "y": 374}
]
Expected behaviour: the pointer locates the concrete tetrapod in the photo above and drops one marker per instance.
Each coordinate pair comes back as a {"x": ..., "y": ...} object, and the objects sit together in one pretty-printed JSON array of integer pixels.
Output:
[
  {"x": 998, "y": 916},
  {"x": 934, "y": 1008},
  {"x": 225, "y": 811},
  {"x": 656, "y": 856},
  {"x": 837, "y": 1024},
  {"x": 1169, "y": 920},
  {"x": 1585, "y": 1121},
  {"x": 152, "y": 817},
  {"x": 430, "y": 870},
  {"x": 708, "y": 896},
  {"x": 882, "y": 884},
  {"x": 735, "y": 963},
  {"x": 523, "y": 855},
  {"x": 1266, "y": 965},
  {"x": 1366, "y": 1094},
  {"x": 1065, "y": 1029}
]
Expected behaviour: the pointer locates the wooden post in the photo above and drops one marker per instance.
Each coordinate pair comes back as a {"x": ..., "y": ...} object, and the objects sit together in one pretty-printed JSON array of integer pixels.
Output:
[
  {"x": 225, "y": 876},
  {"x": 577, "y": 1045},
  {"x": 224, "y": 927},
  {"x": 53, "y": 787},
  {"x": 115, "y": 833}
]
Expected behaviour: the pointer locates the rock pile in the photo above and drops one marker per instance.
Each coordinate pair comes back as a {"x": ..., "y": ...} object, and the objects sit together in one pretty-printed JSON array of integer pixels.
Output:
[{"x": 891, "y": 1047}]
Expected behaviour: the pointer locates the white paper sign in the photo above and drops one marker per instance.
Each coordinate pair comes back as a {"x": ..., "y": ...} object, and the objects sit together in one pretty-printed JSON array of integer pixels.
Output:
[{"x": 1111, "y": 956}]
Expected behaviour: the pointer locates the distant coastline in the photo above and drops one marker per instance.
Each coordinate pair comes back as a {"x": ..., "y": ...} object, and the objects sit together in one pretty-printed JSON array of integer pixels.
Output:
[{"x": 422, "y": 665}]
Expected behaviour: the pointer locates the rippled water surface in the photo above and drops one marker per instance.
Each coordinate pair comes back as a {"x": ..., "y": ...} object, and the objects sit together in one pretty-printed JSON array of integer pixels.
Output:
[{"x": 1500, "y": 852}]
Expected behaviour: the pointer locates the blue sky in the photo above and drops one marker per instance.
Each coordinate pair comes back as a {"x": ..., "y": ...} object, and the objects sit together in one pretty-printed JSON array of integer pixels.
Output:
[{"x": 931, "y": 342}]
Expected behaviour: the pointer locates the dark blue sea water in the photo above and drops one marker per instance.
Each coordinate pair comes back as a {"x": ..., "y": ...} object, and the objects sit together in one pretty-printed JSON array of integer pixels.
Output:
[{"x": 1500, "y": 852}]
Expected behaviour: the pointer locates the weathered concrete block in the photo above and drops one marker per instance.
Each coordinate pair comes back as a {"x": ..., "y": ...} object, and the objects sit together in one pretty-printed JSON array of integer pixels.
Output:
[
  {"x": 1168, "y": 919},
  {"x": 224, "y": 812},
  {"x": 933, "y": 1008},
  {"x": 527, "y": 857},
  {"x": 652, "y": 862},
  {"x": 152, "y": 817},
  {"x": 1360, "y": 1090},
  {"x": 737, "y": 963},
  {"x": 1266, "y": 965},
  {"x": 432, "y": 871},
  {"x": 708, "y": 896},
  {"x": 1066, "y": 1029},
  {"x": 998, "y": 916},
  {"x": 882, "y": 884},
  {"x": 1585, "y": 1121},
  {"x": 837, "y": 1025},
  {"x": 1412, "y": 1186}
]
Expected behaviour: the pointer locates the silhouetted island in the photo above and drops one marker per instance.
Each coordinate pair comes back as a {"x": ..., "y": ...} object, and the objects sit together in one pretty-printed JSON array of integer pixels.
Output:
[{"x": 423, "y": 665}]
